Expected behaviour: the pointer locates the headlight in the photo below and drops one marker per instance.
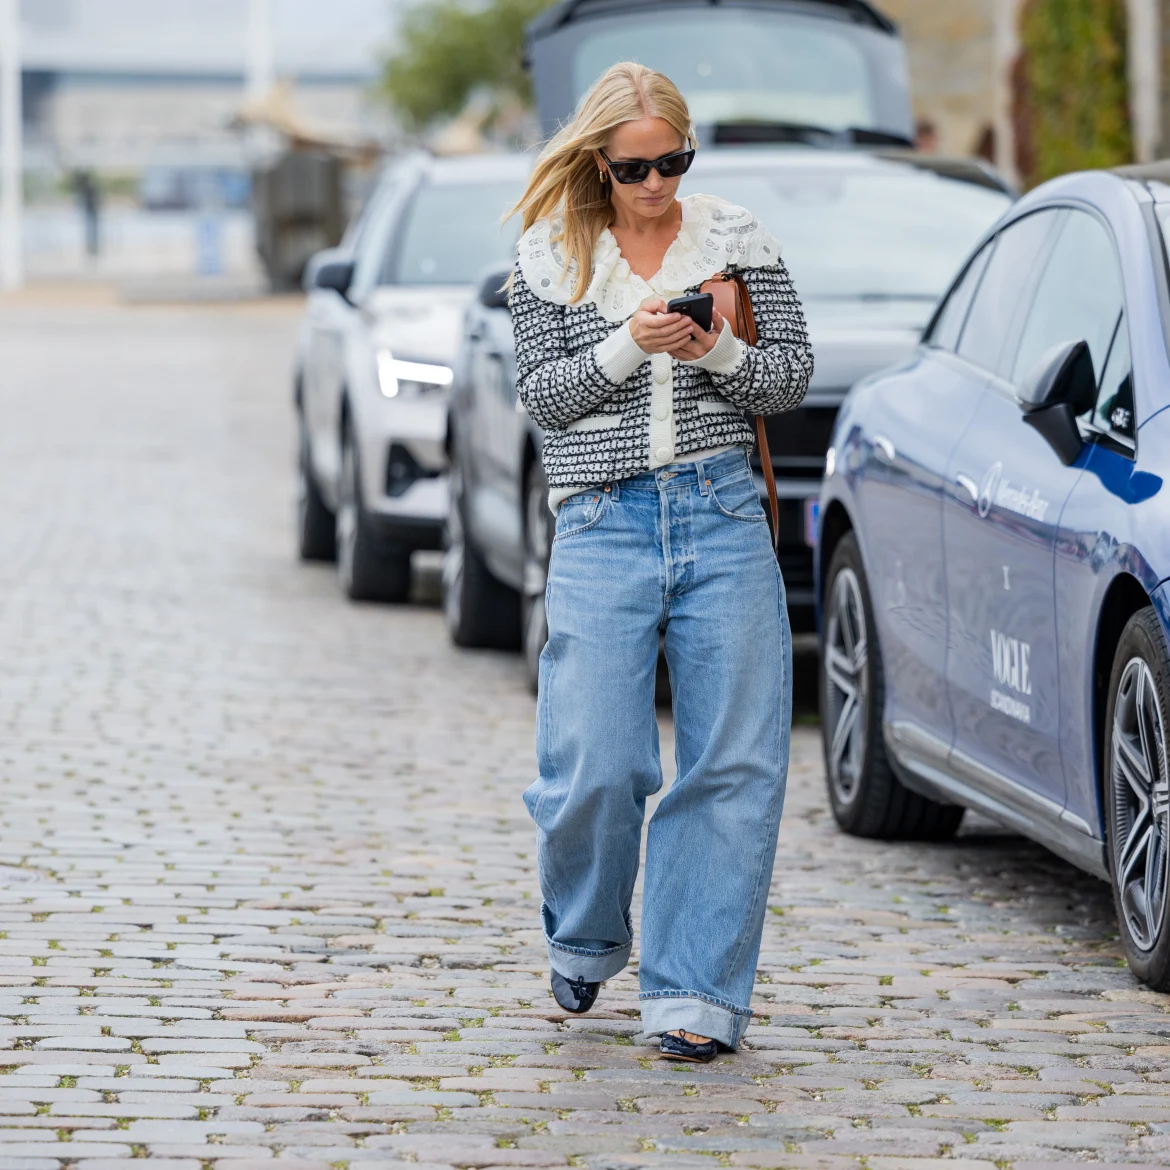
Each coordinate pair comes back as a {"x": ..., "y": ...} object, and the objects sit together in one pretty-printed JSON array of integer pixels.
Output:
[
  {"x": 830, "y": 461},
  {"x": 398, "y": 377}
]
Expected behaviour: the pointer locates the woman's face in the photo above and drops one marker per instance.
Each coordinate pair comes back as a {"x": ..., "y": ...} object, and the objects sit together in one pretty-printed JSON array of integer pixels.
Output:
[{"x": 642, "y": 140}]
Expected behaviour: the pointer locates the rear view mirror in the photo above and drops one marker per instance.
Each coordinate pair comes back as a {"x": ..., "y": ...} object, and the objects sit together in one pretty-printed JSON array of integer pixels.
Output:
[
  {"x": 492, "y": 293},
  {"x": 337, "y": 275},
  {"x": 1061, "y": 386}
]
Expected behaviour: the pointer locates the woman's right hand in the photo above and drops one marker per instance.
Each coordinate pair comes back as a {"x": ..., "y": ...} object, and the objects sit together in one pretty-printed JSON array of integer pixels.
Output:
[{"x": 657, "y": 331}]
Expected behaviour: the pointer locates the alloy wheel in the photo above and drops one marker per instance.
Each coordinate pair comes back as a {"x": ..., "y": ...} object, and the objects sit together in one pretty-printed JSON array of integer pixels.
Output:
[
  {"x": 846, "y": 660},
  {"x": 1140, "y": 790},
  {"x": 347, "y": 514},
  {"x": 453, "y": 554}
]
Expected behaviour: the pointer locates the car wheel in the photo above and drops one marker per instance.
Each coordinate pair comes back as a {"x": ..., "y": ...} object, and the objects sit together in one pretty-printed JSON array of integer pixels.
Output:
[
  {"x": 538, "y": 534},
  {"x": 867, "y": 797},
  {"x": 369, "y": 568},
  {"x": 1137, "y": 798},
  {"x": 480, "y": 610},
  {"x": 316, "y": 524}
]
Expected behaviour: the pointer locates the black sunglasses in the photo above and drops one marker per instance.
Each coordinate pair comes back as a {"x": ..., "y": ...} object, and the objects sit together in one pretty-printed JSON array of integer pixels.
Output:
[{"x": 669, "y": 166}]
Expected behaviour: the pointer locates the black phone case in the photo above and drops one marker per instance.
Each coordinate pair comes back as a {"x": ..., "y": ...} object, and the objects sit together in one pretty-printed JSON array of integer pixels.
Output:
[{"x": 698, "y": 306}]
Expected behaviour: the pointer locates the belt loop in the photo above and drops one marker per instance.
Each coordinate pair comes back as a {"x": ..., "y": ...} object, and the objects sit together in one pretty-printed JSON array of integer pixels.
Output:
[
  {"x": 613, "y": 487},
  {"x": 704, "y": 476}
]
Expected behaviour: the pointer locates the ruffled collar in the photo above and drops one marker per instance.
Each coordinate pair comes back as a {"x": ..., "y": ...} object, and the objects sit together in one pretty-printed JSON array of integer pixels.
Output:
[{"x": 713, "y": 235}]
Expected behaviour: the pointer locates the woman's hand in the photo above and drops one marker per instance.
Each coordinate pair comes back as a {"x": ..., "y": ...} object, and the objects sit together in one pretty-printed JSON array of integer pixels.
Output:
[
  {"x": 657, "y": 331},
  {"x": 699, "y": 342}
]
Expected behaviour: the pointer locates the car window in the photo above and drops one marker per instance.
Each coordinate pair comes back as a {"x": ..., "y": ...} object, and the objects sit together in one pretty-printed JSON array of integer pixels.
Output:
[
  {"x": 1114, "y": 411},
  {"x": 948, "y": 325},
  {"x": 1078, "y": 297},
  {"x": 451, "y": 233},
  {"x": 1009, "y": 273},
  {"x": 376, "y": 236}
]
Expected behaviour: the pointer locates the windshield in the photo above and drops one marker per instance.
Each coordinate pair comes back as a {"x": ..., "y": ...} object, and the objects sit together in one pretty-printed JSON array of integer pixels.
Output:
[
  {"x": 736, "y": 66},
  {"x": 451, "y": 234},
  {"x": 894, "y": 234}
]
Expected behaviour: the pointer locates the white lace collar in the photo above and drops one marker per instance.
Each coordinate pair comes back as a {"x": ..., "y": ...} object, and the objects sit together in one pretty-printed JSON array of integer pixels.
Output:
[{"x": 713, "y": 235}]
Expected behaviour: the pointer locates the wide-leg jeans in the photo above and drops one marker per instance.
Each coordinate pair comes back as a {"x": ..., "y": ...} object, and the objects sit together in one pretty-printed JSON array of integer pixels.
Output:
[{"x": 683, "y": 552}]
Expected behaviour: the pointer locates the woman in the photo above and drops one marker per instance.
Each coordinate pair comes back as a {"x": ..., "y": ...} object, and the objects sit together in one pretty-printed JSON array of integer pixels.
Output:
[{"x": 659, "y": 530}]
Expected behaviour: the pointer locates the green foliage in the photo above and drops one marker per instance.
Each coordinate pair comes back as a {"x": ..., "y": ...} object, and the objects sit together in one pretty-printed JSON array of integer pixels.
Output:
[
  {"x": 452, "y": 49},
  {"x": 1071, "y": 88}
]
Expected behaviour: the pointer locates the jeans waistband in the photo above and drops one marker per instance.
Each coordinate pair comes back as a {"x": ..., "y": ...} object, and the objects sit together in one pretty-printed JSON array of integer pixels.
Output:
[{"x": 688, "y": 474}]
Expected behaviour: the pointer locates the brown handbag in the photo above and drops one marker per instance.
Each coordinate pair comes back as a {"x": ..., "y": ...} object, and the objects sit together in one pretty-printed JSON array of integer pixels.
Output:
[{"x": 734, "y": 303}]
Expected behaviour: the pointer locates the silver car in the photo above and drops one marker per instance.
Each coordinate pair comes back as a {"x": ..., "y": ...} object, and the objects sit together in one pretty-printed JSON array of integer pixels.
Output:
[{"x": 375, "y": 363}]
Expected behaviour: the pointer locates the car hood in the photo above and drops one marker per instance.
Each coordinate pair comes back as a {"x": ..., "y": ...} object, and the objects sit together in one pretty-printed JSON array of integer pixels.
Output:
[
  {"x": 852, "y": 339},
  {"x": 419, "y": 322}
]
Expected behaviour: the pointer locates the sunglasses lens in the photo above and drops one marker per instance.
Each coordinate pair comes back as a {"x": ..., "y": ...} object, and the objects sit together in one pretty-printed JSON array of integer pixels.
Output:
[
  {"x": 630, "y": 172},
  {"x": 678, "y": 164}
]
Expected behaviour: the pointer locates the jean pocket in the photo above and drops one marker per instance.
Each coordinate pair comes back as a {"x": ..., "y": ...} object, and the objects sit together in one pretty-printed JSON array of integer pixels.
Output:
[
  {"x": 736, "y": 497},
  {"x": 580, "y": 513}
]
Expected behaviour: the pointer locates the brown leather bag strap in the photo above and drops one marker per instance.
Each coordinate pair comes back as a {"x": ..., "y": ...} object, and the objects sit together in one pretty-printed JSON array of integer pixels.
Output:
[{"x": 745, "y": 330}]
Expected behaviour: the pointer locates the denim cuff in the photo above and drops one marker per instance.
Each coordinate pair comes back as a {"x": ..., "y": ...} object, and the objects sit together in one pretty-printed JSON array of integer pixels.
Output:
[
  {"x": 674, "y": 1010},
  {"x": 592, "y": 966}
]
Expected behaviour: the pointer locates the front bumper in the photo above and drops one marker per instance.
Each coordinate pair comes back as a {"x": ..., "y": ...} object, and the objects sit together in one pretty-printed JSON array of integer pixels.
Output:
[
  {"x": 795, "y": 552},
  {"x": 404, "y": 469}
]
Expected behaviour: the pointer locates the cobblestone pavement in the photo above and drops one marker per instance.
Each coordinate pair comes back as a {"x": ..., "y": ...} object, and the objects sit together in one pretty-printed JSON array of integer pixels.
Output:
[{"x": 267, "y": 893}]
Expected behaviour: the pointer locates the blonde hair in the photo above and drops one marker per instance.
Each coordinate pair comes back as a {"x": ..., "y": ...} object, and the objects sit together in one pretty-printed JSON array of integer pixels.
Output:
[{"x": 565, "y": 181}]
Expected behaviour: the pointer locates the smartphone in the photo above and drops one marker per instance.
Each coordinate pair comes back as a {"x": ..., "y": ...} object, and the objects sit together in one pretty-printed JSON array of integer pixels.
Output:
[{"x": 698, "y": 306}]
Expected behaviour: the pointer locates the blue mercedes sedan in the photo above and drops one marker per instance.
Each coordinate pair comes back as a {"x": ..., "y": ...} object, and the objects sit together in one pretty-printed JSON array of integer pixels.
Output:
[{"x": 993, "y": 555}]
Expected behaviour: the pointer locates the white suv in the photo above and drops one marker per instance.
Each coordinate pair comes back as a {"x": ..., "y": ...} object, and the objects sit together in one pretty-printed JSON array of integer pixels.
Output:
[{"x": 375, "y": 363}]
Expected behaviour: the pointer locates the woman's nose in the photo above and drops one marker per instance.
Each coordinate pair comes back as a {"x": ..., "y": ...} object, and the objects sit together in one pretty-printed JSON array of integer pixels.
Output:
[{"x": 652, "y": 182}]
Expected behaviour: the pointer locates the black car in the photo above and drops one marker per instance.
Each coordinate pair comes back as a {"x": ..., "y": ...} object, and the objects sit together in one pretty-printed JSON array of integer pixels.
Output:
[
  {"x": 817, "y": 71},
  {"x": 872, "y": 240}
]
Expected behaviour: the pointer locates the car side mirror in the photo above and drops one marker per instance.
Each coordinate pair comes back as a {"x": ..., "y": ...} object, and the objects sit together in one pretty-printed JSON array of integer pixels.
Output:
[
  {"x": 1061, "y": 386},
  {"x": 337, "y": 275},
  {"x": 492, "y": 293}
]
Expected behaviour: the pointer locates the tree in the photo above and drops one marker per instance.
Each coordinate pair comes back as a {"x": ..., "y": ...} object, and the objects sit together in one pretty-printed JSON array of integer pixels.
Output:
[
  {"x": 450, "y": 50},
  {"x": 1071, "y": 105}
]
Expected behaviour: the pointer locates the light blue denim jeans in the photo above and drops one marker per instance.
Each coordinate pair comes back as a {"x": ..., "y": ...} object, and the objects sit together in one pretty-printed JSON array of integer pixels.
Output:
[{"x": 683, "y": 551}]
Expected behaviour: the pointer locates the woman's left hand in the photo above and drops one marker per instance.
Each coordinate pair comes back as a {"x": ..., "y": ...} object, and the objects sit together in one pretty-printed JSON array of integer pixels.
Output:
[{"x": 701, "y": 342}]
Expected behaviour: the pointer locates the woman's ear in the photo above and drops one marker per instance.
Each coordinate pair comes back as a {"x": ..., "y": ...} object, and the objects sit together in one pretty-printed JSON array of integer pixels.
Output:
[{"x": 599, "y": 161}]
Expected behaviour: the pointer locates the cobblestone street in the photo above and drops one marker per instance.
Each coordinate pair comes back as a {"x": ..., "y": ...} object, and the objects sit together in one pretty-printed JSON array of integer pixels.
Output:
[{"x": 268, "y": 890}]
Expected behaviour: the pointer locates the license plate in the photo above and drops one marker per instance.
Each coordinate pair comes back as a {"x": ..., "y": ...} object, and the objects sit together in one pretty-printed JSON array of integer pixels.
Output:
[{"x": 812, "y": 517}]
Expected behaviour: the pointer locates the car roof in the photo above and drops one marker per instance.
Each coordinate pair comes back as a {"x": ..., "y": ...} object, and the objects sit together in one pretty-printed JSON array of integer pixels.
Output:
[
  {"x": 788, "y": 159},
  {"x": 477, "y": 168},
  {"x": 568, "y": 11}
]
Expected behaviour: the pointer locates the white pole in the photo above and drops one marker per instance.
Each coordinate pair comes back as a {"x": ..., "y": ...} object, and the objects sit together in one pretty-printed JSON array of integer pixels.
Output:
[
  {"x": 11, "y": 164},
  {"x": 1145, "y": 78},
  {"x": 1007, "y": 48},
  {"x": 261, "y": 51}
]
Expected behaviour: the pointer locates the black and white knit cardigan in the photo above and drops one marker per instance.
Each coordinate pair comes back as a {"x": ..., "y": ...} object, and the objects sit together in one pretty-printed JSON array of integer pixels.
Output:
[{"x": 610, "y": 410}]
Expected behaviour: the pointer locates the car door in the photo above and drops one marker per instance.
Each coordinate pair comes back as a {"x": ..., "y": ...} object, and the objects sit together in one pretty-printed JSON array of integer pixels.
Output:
[
  {"x": 912, "y": 420},
  {"x": 1000, "y": 526}
]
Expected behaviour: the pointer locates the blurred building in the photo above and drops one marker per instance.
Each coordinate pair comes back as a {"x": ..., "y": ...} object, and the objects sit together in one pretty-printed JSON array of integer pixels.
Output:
[
  {"x": 122, "y": 85},
  {"x": 953, "y": 67}
]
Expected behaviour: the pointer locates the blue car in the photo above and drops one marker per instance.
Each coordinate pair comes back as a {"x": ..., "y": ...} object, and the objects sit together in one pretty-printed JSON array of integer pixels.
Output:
[{"x": 993, "y": 558}]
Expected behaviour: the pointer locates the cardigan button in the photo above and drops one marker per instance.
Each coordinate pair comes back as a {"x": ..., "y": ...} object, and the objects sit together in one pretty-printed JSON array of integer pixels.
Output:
[
  {"x": 664, "y": 454},
  {"x": 662, "y": 374},
  {"x": 662, "y": 411}
]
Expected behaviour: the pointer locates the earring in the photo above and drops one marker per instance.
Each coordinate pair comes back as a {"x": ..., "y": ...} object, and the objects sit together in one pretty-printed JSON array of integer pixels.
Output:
[{"x": 601, "y": 176}]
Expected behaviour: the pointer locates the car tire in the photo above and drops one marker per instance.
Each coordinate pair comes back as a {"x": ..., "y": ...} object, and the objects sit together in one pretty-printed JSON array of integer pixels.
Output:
[
  {"x": 481, "y": 611},
  {"x": 368, "y": 567},
  {"x": 867, "y": 797},
  {"x": 1137, "y": 796},
  {"x": 316, "y": 524},
  {"x": 538, "y": 535}
]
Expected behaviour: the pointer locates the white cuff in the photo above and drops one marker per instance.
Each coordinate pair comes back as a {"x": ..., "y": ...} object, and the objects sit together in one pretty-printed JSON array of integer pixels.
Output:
[
  {"x": 619, "y": 355},
  {"x": 724, "y": 356}
]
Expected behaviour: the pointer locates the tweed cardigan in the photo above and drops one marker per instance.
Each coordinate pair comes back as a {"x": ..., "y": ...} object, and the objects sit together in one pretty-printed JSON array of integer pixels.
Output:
[{"x": 610, "y": 410}]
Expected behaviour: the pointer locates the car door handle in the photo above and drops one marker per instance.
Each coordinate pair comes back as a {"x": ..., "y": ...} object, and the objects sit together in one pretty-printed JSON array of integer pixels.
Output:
[
  {"x": 884, "y": 449},
  {"x": 969, "y": 486}
]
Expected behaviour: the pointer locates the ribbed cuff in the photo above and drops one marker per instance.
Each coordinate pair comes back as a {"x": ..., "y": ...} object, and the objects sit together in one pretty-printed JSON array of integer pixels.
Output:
[
  {"x": 619, "y": 355},
  {"x": 725, "y": 356}
]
